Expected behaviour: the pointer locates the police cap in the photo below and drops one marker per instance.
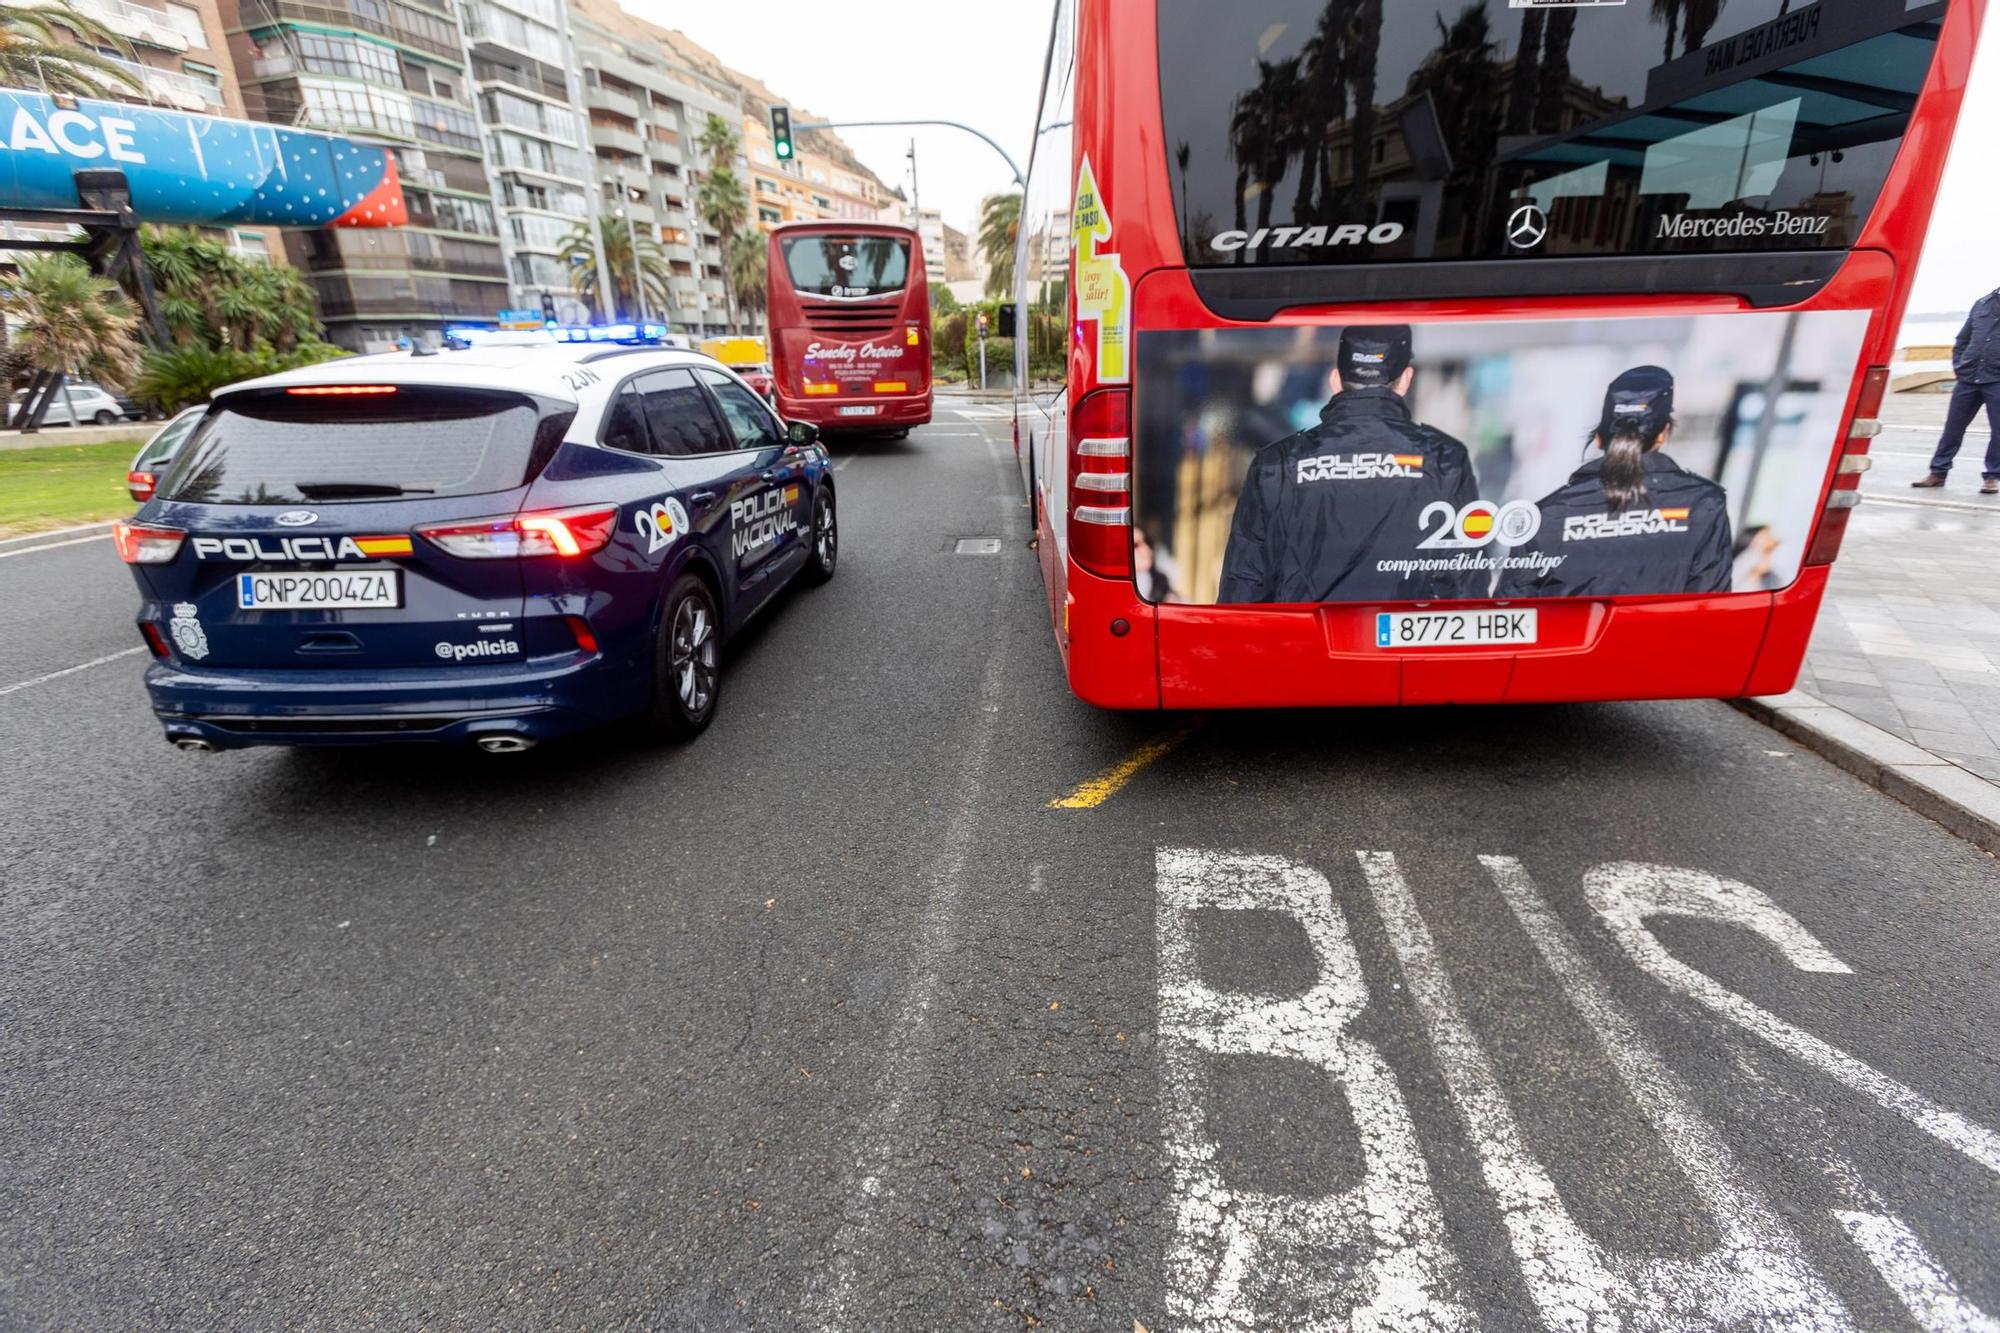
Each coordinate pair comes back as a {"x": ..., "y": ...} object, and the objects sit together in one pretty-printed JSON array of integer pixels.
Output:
[
  {"x": 1639, "y": 402},
  {"x": 1373, "y": 355}
]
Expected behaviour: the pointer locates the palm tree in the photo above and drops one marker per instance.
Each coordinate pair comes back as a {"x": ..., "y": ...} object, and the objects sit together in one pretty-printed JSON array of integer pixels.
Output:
[
  {"x": 747, "y": 263},
  {"x": 1669, "y": 10},
  {"x": 69, "y": 321},
  {"x": 182, "y": 376},
  {"x": 1364, "y": 48},
  {"x": 999, "y": 230},
  {"x": 1552, "y": 79},
  {"x": 34, "y": 52},
  {"x": 1521, "y": 83},
  {"x": 213, "y": 297},
  {"x": 721, "y": 201},
  {"x": 1701, "y": 16},
  {"x": 616, "y": 235}
]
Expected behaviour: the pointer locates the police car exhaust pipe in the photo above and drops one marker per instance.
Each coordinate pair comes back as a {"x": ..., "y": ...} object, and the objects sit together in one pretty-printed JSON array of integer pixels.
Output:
[
  {"x": 505, "y": 744},
  {"x": 193, "y": 745}
]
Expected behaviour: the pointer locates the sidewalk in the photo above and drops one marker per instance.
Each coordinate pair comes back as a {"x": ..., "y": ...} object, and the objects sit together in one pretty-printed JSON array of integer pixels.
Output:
[{"x": 1908, "y": 640}]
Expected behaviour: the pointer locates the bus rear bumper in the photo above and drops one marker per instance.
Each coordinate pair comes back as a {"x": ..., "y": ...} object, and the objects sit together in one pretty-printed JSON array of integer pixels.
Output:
[
  {"x": 890, "y": 412},
  {"x": 1313, "y": 657}
]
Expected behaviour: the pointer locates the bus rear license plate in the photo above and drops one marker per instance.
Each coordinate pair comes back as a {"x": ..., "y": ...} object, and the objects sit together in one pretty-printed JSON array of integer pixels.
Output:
[
  {"x": 335, "y": 590},
  {"x": 857, "y": 411},
  {"x": 1451, "y": 629}
]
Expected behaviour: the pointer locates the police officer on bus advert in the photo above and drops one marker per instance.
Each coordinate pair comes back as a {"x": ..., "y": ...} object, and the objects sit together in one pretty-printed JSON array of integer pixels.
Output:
[
  {"x": 1631, "y": 519},
  {"x": 1322, "y": 510},
  {"x": 1975, "y": 361}
]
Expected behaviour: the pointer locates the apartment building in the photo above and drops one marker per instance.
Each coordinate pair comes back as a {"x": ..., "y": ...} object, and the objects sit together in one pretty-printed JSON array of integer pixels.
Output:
[
  {"x": 822, "y": 180},
  {"x": 393, "y": 72}
]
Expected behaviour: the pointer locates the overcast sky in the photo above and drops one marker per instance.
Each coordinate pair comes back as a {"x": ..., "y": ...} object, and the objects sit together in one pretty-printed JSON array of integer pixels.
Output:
[
  {"x": 877, "y": 61},
  {"x": 869, "y": 60}
]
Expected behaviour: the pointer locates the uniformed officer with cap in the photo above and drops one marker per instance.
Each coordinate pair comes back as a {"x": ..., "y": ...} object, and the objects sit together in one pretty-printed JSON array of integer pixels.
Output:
[
  {"x": 1631, "y": 519},
  {"x": 1321, "y": 509}
]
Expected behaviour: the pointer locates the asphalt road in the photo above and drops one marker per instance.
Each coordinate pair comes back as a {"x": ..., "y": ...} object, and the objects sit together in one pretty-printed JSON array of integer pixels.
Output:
[{"x": 1429, "y": 1019}]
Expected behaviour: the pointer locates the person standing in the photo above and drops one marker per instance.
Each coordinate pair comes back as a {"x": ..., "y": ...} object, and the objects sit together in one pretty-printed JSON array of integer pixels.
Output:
[
  {"x": 1975, "y": 361},
  {"x": 1631, "y": 519},
  {"x": 1323, "y": 510}
]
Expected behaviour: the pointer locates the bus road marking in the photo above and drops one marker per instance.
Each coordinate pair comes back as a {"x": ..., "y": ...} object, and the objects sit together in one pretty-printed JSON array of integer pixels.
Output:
[
  {"x": 1625, "y": 893},
  {"x": 1372, "y": 1256},
  {"x": 1927, "y": 1291},
  {"x": 1095, "y": 791}
]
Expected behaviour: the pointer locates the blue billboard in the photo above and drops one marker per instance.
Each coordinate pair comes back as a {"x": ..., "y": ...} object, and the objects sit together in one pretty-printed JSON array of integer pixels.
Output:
[{"x": 200, "y": 170}]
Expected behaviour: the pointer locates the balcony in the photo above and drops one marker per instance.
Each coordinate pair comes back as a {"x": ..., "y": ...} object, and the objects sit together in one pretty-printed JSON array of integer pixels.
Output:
[
  {"x": 136, "y": 23},
  {"x": 337, "y": 16},
  {"x": 642, "y": 214},
  {"x": 599, "y": 98},
  {"x": 624, "y": 141},
  {"x": 660, "y": 150},
  {"x": 177, "y": 90}
]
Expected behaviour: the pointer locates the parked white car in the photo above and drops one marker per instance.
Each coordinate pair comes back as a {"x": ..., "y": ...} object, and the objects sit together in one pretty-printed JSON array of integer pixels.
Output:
[{"x": 91, "y": 404}]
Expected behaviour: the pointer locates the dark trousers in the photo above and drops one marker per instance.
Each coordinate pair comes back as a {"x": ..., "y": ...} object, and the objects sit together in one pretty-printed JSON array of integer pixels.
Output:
[{"x": 1966, "y": 400}]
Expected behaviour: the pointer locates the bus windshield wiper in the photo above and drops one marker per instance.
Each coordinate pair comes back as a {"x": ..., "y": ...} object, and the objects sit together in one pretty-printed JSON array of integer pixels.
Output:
[{"x": 347, "y": 490}]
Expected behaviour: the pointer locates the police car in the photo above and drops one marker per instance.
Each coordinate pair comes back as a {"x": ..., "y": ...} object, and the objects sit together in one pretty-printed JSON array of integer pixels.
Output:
[{"x": 494, "y": 544}]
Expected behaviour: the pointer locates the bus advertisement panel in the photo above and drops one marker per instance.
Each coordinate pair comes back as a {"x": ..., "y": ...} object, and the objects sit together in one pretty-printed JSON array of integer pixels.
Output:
[
  {"x": 1462, "y": 459},
  {"x": 850, "y": 326}
]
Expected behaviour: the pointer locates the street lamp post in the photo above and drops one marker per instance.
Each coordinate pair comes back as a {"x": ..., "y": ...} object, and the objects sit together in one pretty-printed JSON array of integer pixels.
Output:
[{"x": 632, "y": 243}]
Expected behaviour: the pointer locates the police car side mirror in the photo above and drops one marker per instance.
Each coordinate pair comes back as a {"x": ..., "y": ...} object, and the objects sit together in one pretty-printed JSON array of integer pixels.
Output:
[{"x": 801, "y": 432}]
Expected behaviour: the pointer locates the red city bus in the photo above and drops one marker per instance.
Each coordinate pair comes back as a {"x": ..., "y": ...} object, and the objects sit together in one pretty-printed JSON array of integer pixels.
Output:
[
  {"x": 1452, "y": 351},
  {"x": 850, "y": 326}
]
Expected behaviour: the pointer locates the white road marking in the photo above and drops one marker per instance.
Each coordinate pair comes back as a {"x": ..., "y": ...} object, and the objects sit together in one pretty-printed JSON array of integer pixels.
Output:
[
  {"x": 1372, "y": 1257},
  {"x": 1929, "y": 1293},
  {"x": 69, "y": 671},
  {"x": 1756, "y": 1277},
  {"x": 1625, "y": 893},
  {"x": 50, "y": 546}
]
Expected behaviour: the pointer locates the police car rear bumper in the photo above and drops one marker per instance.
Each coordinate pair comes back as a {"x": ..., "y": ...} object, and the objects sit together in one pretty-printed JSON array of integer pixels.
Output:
[{"x": 535, "y": 701}]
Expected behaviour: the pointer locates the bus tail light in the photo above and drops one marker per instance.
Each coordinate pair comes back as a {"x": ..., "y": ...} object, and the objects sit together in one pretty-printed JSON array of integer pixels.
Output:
[
  {"x": 1854, "y": 461},
  {"x": 141, "y": 545},
  {"x": 1100, "y": 483},
  {"x": 558, "y": 532}
]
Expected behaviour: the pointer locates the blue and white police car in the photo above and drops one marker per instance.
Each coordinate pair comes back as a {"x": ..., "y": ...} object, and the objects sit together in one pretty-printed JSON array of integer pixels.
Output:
[{"x": 494, "y": 544}]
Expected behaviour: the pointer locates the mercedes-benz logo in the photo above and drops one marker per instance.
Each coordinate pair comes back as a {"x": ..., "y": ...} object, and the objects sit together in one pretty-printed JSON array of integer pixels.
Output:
[{"x": 1526, "y": 227}]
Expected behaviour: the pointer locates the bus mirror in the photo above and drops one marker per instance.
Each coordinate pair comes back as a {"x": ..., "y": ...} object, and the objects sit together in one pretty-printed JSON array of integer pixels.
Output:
[
  {"x": 801, "y": 432},
  {"x": 1005, "y": 322}
]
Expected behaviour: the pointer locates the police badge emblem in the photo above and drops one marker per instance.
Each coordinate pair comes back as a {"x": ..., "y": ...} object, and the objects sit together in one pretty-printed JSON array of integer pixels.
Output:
[{"x": 187, "y": 632}]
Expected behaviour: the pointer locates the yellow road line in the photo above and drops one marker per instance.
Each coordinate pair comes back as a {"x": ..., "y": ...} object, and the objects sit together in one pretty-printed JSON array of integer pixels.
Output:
[{"x": 1097, "y": 790}]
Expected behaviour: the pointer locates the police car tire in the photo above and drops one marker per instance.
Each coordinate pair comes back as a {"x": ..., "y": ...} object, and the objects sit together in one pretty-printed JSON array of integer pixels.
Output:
[
  {"x": 671, "y": 716},
  {"x": 822, "y": 558}
]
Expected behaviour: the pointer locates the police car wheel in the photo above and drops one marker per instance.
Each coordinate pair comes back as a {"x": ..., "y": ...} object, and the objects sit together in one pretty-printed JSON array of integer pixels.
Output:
[
  {"x": 687, "y": 679},
  {"x": 825, "y": 539}
]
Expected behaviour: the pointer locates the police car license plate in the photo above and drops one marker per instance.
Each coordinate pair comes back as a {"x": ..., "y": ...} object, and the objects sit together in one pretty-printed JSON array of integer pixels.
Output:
[
  {"x": 1451, "y": 629},
  {"x": 857, "y": 411},
  {"x": 332, "y": 590}
]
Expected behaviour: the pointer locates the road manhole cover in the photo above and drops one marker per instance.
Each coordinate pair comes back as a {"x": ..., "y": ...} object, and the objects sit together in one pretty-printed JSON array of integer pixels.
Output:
[{"x": 978, "y": 546}]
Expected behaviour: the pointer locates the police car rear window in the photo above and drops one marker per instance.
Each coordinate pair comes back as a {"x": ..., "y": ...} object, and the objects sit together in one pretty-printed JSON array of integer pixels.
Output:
[
  {"x": 1370, "y": 131},
  {"x": 368, "y": 443}
]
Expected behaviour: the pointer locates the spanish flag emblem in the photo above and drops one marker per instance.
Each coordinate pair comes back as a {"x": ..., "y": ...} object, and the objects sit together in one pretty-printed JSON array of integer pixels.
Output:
[
  {"x": 383, "y": 548},
  {"x": 1673, "y": 515},
  {"x": 791, "y": 495},
  {"x": 1409, "y": 460}
]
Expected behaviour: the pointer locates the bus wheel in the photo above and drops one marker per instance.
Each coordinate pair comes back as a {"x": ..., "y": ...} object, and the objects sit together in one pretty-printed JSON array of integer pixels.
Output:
[
  {"x": 825, "y": 540},
  {"x": 687, "y": 679}
]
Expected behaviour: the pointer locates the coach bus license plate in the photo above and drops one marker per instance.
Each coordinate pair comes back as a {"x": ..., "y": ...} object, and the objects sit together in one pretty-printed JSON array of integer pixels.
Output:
[
  {"x": 857, "y": 411},
  {"x": 332, "y": 590},
  {"x": 1448, "y": 629}
]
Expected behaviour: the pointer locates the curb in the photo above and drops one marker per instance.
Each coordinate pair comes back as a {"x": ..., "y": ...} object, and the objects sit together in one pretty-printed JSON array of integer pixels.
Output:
[
  {"x": 1962, "y": 801},
  {"x": 57, "y": 534}
]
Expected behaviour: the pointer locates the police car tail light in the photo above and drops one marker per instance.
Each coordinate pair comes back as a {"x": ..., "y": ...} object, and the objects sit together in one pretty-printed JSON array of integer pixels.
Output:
[
  {"x": 557, "y": 532},
  {"x": 140, "y": 485},
  {"x": 341, "y": 390},
  {"x": 156, "y": 642},
  {"x": 1854, "y": 461},
  {"x": 141, "y": 545},
  {"x": 1100, "y": 483},
  {"x": 579, "y": 629}
]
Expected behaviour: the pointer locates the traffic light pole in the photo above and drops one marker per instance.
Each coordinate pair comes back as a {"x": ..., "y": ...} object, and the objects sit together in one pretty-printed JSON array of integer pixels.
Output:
[{"x": 983, "y": 137}]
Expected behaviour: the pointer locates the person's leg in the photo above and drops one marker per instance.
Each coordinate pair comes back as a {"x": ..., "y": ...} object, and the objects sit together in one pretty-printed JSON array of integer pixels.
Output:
[
  {"x": 1966, "y": 400},
  {"x": 1991, "y": 472}
]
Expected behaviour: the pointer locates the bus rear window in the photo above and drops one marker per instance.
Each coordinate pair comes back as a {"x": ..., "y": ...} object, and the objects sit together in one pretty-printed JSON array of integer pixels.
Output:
[
  {"x": 847, "y": 265},
  {"x": 1364, "y": 131},
  {"x": 409, "y": 441}
]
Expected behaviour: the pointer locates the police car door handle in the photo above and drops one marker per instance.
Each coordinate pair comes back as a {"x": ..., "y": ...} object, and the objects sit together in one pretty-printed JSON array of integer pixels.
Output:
[
  {"x": 768, "y": 476},
  {"x": 701, "y": 497}
]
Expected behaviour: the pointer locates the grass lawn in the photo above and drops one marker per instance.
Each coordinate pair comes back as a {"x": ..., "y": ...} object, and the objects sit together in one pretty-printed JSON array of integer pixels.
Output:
[{"x": 59, "y": 485}]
